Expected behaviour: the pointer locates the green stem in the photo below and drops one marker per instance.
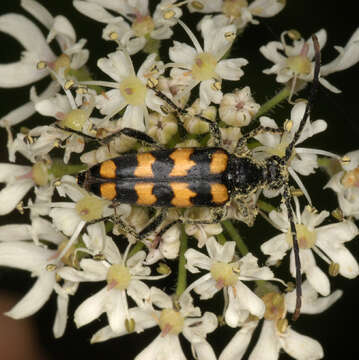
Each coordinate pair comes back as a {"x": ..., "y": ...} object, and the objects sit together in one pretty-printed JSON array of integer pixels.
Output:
[
  {"x": 263, "y": 205},
  {"x": 233, "y": 233},
  {"x": 182, "y": 272},
  {"x": 221, "y": 238},
  {"x": 275, "y": 100}
]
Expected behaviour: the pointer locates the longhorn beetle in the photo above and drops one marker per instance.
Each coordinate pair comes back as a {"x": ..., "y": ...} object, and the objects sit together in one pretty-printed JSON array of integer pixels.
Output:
[{"x": 188, "y": 177}]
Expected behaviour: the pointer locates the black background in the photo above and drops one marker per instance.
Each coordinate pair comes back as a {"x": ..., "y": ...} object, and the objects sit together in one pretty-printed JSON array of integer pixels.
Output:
[{"x": 334, "y": 328}]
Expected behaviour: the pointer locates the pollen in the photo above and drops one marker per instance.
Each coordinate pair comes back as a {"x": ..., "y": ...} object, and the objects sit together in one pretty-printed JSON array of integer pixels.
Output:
[
  {"x": 170, "y": 322},
  {"x": 306, "y": 238},
  {"x": 224, "y": 274},
  {"x": 133, "y": 90},
  {"x": 118, "y": 277},
  {"x": 204, "y": 67}
]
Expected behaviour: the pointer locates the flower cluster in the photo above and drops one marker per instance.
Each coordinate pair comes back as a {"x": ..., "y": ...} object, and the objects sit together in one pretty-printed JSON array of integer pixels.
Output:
[{"x": 72, "y": 236}]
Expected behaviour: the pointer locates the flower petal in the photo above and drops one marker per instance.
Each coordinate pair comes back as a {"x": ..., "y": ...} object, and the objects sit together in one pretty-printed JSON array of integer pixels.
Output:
[
  {"x": 311, "y": 302},
  {"x": 195, "y": 260},
  {"x": 230, "y": 69},
  {"x": 35, "y": 298},
  {"x": 267, "y": 347},
  {"x": 301, "y": 347},
  {"x": 38, "y": 11},
  {"x": 91, "y": 308},
  {"x": 11, "y": 195},
  {"x": 203, "y": 351},
  {"x": 266, "y": 8},
  {"x": 23, "y": 255},
  {"x": 162, "y": 348},
  {"x": 182, "y": 53},
  {"x": 117, "y": 65},
  {"x": 61, "y": 316},
  {"x": 237, "y": 346}
]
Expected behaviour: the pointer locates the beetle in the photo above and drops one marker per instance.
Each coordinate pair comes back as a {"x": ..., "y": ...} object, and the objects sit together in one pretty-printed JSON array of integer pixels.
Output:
[{"x": 187, "y": 177}]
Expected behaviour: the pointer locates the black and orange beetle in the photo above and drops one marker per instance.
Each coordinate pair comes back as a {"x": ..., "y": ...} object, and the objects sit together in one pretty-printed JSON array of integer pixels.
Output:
[{"x": 187, "y": 177}]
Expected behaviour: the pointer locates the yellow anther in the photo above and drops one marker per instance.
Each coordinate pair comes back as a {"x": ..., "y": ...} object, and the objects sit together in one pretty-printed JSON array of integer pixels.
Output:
[
  {"x": 169, "y": 14},
  {"x": 334, "y": 269},
  {"x": 82, "y": 90},
  {"x": 288, "y": 125},
  {"x": 99, "y": 257},
  {"x": 130, "y": 325},
  {"x": 294, "y": 34},
  {"x": 216, "y": 85},
  {"x": 296, "y": 192},
  {"x": 197, "y": 5},
  {"x": 282, "y": 325},
  {"x": 41, "y": 65},
  {"x": 164, "y": 109},
  {"x": 338, "y": 214},
  {"x": 51, "y": 267},
  {"x": 113, "y": 35},
  {"x": 28, "y": 140},
  {"x": 230, "y": 35},
  {"x": 20, "y": 207},
  {"x": 57, "y": 183},
  {"x": 69, "y": 84},
  {"x": 345, "y": 160},
  {"x": 152, "y": 83},
  {"x": 163, "y": 269},
  {"x": 290, "y": 286}
]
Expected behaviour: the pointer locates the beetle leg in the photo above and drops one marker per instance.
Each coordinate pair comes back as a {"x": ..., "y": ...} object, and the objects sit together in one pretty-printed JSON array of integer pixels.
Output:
[
  {"x": 140, "y": 136},
  {"x": 217, "y": 214},
  {"x": 155, "y": 222},
  {"x": 213, "y": 126}
]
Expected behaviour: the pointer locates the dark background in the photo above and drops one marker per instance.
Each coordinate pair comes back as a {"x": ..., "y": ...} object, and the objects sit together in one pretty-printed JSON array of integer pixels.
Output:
[{"x": 332, "y": 328}]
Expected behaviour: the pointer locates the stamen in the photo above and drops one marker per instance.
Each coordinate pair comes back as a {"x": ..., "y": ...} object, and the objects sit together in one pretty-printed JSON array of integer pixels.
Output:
[{"x": 191, "y": 36}]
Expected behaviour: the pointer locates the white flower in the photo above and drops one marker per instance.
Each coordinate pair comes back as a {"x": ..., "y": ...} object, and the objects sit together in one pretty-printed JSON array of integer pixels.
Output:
[
  {"x": 224, "y": 272},
  {"x": 123, "y": 275},
  {"x": 326, "y": 241},
  {"x": 238, "y": 12},
  {"x": 18, "y": 253},
  {"x": 202, "y": 232},
  {"x": 19, "y": 180},
  {"x": 129, "y": 90},
  {"x": 346, "y": 185},
  {"x": 295, "y": 61},
  {"x": 37, "y": 51},
  {"x": 275, "y": 333},
  {"x": 142, "y": 28},
  {"x": 71, "y": 217},
  {"x": 162, "y": 128},
  {"x": 304, "y": 160},
  {"x": 238, "y": 108},
  {"x": 172, "y": 322},
  {"x": 205, "y": 66}
]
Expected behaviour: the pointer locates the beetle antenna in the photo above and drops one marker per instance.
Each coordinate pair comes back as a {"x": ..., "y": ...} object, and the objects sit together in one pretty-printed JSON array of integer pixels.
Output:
[
  {"x": 286, "y": 194},
  {"x": 308, "y": 108}
]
